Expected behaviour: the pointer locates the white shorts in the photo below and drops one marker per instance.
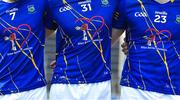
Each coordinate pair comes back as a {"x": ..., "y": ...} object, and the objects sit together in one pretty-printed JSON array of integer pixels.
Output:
[
  {"x": 128, "y": 93},
  {"x": 93, "y": 91},
  {"x": 35, "y": 94}
]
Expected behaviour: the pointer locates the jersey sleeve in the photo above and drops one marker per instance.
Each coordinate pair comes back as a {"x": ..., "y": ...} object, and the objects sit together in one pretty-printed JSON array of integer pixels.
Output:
[
  {"x": 49, "y": 21},
  {"x": 119, "y": 19}
]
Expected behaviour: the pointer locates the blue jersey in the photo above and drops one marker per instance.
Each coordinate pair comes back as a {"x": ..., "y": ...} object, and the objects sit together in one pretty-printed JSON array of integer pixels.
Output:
[
  {"x": 83, "y": 40},
  {"x": 22, "y": 38},
  {"x": 153, "y": 62}
]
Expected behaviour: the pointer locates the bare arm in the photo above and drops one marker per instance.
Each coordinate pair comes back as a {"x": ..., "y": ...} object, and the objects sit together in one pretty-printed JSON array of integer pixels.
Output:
[
  {"x": 49, "y": 32},
  {"x": 116, "y": 33}
]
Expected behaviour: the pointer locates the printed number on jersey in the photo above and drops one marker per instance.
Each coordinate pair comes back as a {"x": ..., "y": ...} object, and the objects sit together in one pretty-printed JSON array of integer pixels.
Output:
[
  {"x": 12, "y": 14},
  {"x": 160, "y": 19},
  {"x": 86, "y": 7}
]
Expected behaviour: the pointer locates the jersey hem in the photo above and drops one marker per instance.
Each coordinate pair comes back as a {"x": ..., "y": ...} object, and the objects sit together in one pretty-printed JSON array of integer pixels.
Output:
[
  {"x": 80, "y": 82},
  {"x": 22, "y": 90},
  {"x": 163, "y": 91}
]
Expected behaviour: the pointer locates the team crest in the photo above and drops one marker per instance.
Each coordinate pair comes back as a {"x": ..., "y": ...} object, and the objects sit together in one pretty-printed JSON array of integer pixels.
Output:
[
  {"x": 105, "y": 3},
  {"x": 178, "y": 19},
  {"x": 31, "y": 9}
]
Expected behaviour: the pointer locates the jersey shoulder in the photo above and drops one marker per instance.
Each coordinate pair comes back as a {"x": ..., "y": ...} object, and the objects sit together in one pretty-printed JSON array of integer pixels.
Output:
[{"x": 62, "y": 2}]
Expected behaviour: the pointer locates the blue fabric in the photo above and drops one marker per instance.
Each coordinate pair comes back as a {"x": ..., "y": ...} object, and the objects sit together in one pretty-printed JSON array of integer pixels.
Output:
[
  {"x": 22, "y": 38},
  {"x": 153, "y": 61},
  {"x": 81, "y": 57}
]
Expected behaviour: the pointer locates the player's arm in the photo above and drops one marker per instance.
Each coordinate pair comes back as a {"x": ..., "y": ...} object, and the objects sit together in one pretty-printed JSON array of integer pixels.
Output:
[
  {"x": 49, "y": 32},
  {"x": 51, "y": 27},
  {"x": 119, "y": 25},
  {"x": 116, "y": 33},
  {"x": 119, "y": 22},
  {"x": 53, "y": 64},
  {"x": 125, "y": 47}
]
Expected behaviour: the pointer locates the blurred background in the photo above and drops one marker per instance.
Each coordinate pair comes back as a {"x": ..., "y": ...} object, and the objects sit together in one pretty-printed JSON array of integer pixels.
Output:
[{"x": 117, "y": 60}]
